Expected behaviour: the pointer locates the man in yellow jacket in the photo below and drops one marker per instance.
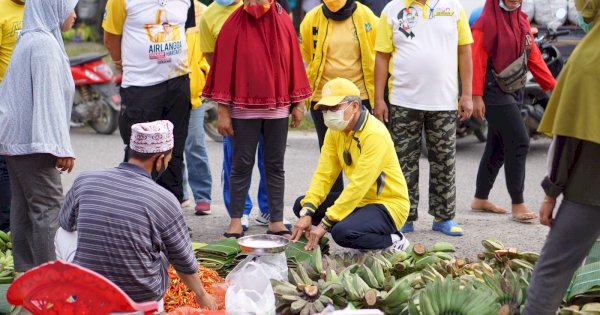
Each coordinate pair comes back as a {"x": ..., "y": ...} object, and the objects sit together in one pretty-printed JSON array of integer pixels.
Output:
[
  {"x": 368, "y": 213},
  {"x": 196, "y": 171}
]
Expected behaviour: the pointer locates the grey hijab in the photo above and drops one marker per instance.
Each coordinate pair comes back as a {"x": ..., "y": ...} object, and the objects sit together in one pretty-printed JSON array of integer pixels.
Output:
[{"x": 36, "y": 94}]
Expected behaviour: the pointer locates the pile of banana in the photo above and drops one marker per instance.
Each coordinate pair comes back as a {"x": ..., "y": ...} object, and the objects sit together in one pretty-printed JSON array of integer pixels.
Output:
[
  {"x": 586, "y": 309},
  {"x": 497, "y": 255},
  {"x": 419, "y": 281},
  {"x": 7, "y": 265}
]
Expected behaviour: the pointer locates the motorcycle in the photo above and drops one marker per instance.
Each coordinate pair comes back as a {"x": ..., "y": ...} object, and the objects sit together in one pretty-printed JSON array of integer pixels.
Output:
[
  {"x": 211, "y": 114},
  {"x": 535, "y": 99},
  {"x": 97, "y": 101}
]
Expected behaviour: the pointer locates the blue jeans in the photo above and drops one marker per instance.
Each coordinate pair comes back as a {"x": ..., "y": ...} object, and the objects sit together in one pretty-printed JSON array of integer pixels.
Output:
[
  {"x": 196, "y": 160},
  {"x": 262, "y": 189},
  {"x": 4, "y": 196}
]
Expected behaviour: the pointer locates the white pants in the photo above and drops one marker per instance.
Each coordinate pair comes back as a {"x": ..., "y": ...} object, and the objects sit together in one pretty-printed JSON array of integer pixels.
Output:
[{"x": 66, "y": 246}]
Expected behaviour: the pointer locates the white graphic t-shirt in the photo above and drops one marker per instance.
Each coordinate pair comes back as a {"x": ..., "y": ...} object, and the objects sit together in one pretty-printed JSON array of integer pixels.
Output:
[
  {"x": 153, "y": 46},
  {"x": 423, "y": 39}
]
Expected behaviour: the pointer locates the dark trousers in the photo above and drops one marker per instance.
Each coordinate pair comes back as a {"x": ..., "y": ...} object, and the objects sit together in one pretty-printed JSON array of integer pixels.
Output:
[
  {"x": 321, "y": 129},
  {"x": 170, "y": 101},
  {"x": 4, "y": 196},
  {"x": 369, "y": 227},
  {"x": 37, "y": 196},
  {"x": 245, "y": 142},
  {"x": 573, "y": 233},
  {"x": 507, "y": 144}
]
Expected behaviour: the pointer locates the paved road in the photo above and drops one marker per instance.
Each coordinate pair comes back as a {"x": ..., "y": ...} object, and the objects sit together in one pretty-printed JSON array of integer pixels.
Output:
[{"x": 97, "y": 151}]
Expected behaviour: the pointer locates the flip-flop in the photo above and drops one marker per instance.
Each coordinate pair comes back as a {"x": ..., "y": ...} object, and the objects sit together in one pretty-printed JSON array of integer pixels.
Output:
[
  {"x": 233, "y": 235},
  {"x": 279, "y": 233},
  {"x": 489, "y": 211},
  {"x": 529, "y": 220}
]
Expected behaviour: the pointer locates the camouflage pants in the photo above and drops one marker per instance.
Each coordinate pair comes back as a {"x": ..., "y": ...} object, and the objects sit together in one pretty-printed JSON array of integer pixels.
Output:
[{"x": 406, "y": 127}]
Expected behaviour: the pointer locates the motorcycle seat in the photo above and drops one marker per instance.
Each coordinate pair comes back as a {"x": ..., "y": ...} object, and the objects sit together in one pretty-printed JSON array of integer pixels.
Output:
[{"x": 85, "y": 58}]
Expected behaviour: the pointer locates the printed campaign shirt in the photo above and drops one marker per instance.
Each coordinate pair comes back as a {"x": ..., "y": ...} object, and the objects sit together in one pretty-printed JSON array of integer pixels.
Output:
[
  {"x": 423, "y": 40},
  {"x": 153, "y": 46}
]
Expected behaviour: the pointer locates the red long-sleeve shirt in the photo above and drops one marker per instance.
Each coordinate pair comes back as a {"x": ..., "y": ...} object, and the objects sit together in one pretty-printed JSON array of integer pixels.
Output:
[{"x": 536, "y": 65}]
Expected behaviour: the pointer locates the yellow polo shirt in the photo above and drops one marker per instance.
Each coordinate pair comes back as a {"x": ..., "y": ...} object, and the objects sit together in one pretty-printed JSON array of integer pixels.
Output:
[
  {"x": 11, "y": 22},
  {"x": 211, "y": 23},
  {"x": 423, "y": 40}
]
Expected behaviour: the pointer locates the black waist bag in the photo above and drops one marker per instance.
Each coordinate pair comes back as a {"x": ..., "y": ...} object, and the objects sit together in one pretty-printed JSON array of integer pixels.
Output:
[{"x": 514, "y": 77}]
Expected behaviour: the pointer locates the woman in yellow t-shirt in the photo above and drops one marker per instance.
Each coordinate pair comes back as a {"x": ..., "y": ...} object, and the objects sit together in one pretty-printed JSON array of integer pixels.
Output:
[{"x": 338, "y": 40}]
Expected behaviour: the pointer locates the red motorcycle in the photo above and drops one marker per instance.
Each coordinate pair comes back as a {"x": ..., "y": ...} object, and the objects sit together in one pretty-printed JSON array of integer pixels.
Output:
[{"x": 97, "y": 102}]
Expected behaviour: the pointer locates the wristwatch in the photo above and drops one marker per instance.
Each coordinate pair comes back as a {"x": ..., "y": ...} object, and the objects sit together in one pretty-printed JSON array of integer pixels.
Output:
[{"x": 306, "y": 212}]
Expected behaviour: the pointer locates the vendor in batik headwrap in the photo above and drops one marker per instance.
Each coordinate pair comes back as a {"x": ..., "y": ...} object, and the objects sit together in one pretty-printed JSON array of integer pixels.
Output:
[
  {"x": 572, "y": 118},
  {"x": 258, "y": 78}
]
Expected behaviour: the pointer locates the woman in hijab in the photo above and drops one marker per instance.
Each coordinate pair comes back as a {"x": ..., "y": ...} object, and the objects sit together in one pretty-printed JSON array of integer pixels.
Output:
[
  {"x": 503, "y": 50},
  {"x": 572, "y": 118},
  {"x": 338, "y": 40},
  {"x": 35, "y": 110},
  {"x": 258, "y": 78}
]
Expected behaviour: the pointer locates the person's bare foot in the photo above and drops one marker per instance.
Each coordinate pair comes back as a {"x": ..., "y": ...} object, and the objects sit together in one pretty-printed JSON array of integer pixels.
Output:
[
  {"x": 235, "y": 229},
  {"x": 278, "y": 228},
  {"x": 484, "y": 205},
  {"x": 521, "y": 213}
]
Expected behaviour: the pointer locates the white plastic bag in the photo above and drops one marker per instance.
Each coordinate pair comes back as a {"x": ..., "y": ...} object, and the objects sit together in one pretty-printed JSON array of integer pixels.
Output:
[
  {"x": 573, "y": 14},
  {"x": 249, "y": 291},
  {"x": 545, "y": 12},
  {"x": 528, "y": 7}
]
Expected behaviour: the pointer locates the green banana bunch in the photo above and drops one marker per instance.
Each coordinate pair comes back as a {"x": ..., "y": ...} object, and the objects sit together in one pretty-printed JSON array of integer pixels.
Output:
[
  {"x": 492, "y": 245},
  {"x": 444, "y": 247},
  {"x": 447, "y": 296}
]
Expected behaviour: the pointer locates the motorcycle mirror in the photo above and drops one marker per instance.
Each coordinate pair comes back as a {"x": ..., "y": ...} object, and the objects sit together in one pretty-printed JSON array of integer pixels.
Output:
[{"x": 561, "y": 13}]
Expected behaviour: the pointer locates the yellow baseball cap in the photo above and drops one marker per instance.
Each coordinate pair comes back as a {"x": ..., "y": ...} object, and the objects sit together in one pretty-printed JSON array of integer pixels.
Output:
[{"x": 335, "y": 91}]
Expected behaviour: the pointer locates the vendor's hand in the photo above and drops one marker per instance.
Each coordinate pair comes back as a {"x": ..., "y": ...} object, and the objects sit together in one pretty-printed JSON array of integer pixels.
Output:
[
  {"x": 546, "y": 211},
  {"x": 303, "y": 225},
  {"x": 478, "y": 108},
  {"x": 465, "y": 107},
  {"x": 297, "y": 115},
  {"x": 381, "y": 110},
  {"x": 224, "y": 124},
  {"x": 315, "y": 237},
  {"x": 65, "y": 164},
  {"x": 206, "y": 301}
]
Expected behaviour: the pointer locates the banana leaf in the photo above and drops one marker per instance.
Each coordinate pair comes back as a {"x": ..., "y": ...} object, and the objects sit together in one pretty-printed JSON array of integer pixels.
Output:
[
  {"x": 296, "y": 254},
  {"x": 585, "y": 283},
  {"x": 4, "y": 306},
  {"x": 222, "y": 248}
]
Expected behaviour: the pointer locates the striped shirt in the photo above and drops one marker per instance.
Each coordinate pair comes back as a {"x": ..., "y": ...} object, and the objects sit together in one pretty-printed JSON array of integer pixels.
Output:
[{"x": 129, "y": 230}]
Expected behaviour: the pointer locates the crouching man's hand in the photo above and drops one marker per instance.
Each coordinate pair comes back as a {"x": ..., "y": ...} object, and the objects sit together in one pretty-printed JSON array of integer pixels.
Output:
[{"x": 315, "y": 237}]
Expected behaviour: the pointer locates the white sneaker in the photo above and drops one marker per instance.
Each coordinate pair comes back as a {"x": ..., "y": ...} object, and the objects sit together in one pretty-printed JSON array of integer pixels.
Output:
[
  {"x": 399, "y": 245},
  {"x": 263, "y": 219},
  {"x": 245, "y": 222}
]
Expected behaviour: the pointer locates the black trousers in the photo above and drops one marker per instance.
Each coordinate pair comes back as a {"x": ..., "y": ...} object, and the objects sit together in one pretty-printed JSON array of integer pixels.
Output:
[
  {"x": 169, "y": 100},
  {"x": 507, "y": 144},
  {"x": 245, "y": 144},
  {"x": 321, "y": 129},
  {"x": 4, "y": 196},
  {"x": 369, "y": 227}
]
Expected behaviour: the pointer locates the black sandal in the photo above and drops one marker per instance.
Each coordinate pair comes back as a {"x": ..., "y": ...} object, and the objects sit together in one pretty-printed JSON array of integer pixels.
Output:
[
  {"x": 279, "y": 233},
  {"x": 233, "y": 235}
]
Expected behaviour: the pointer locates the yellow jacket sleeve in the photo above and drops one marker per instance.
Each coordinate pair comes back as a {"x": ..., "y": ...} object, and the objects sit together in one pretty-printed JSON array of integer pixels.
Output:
[
  {"x": 327, "y": 172},
  {"x": 368, "y": 168},
  {"x": 114, "y": 17},
  {"x": 207, "y": 39}
]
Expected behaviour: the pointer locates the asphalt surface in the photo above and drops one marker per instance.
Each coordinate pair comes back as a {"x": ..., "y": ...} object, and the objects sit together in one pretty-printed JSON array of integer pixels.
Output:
[{"x": 96, "y": 151}]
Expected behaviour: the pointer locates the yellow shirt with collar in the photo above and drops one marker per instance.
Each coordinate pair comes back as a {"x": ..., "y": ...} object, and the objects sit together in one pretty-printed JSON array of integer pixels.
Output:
[
  {"x": 211, "y": 23},
  {"x": 375, "y": 176},
  {"x": 11, "y": 22}
]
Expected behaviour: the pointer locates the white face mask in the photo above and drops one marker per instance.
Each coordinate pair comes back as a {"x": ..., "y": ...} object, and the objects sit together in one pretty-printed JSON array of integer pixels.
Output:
[{"x": 335, "y": 120}]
